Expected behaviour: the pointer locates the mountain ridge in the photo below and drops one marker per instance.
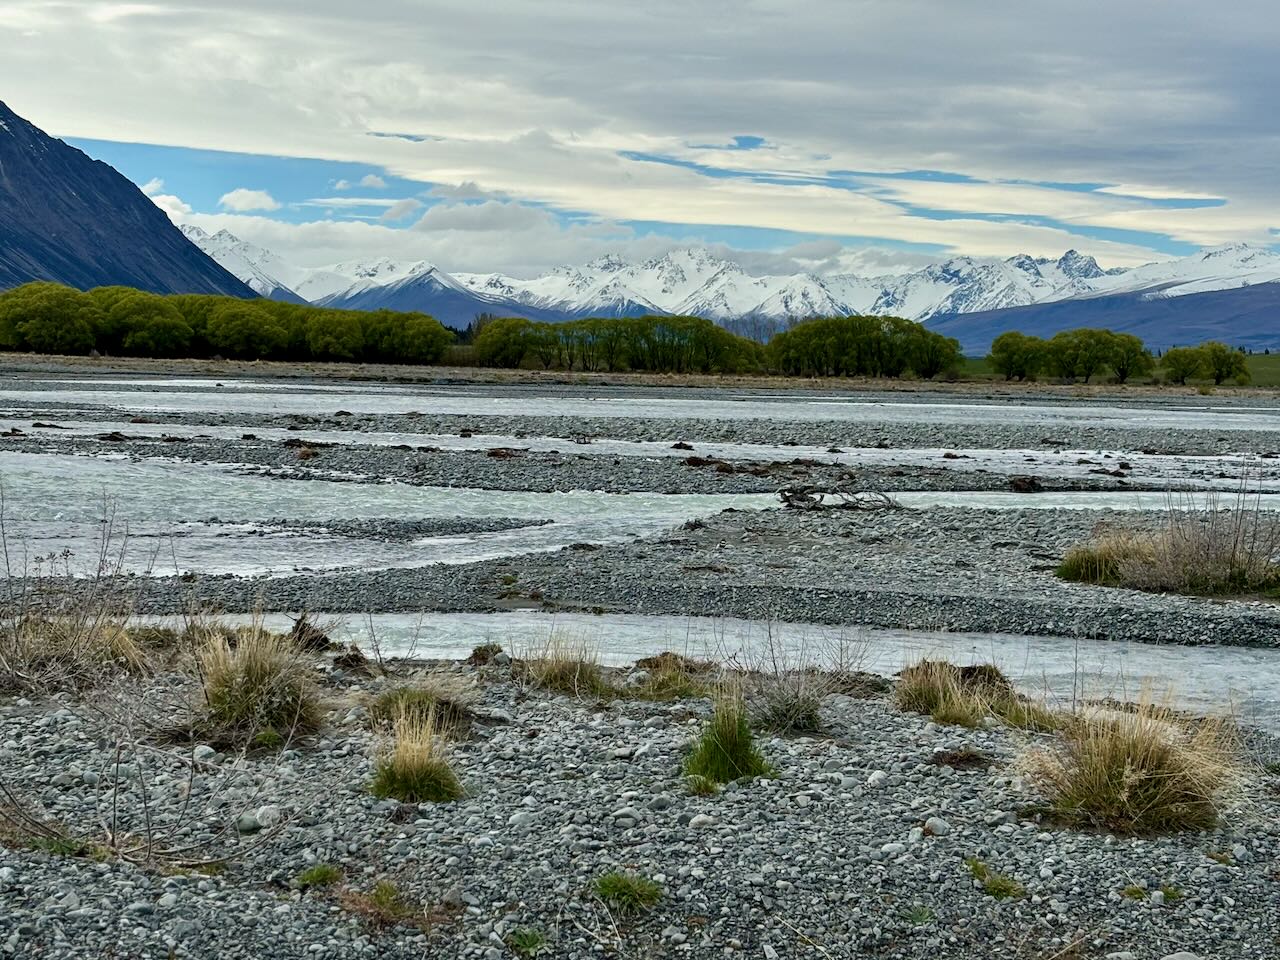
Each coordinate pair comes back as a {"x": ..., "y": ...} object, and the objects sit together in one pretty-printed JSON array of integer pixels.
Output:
[{"x": 67, "y": 218}]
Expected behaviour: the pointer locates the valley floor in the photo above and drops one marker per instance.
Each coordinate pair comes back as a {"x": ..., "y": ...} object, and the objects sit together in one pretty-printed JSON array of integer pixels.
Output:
[{"x": 248, "y": 489}]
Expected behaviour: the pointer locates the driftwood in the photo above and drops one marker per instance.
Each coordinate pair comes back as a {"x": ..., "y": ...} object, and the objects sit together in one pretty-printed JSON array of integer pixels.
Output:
[{"x": 800, "y": 497}]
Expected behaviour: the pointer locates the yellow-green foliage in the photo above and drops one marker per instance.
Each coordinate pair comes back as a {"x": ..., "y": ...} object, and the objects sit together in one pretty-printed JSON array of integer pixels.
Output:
[
  {"x": 416, "y": 768},
  {"x": 627, "y": 892},
  {"x": 1142, "y": 770},
  {"x": 567, "y": 666},
  {"x": 726, "y": 750},
  {"x": 262, "y": 683}
]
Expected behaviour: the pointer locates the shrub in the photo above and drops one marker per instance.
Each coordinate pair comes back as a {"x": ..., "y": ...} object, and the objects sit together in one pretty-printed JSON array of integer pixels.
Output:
[
  {"x": 627, "y": 892},
  {"x": 790, "y": 701},
  {"x": 996, "y": 885},
  {"x": 1142, "y": 770},
  {"x": 564, "y": 666},
  {"x": 260, "y": 683},
  {"x": 416, "y": 768},
  {"x": 320, "y": 875},
  {"x": 1218, "y": 550},
  {"x": 726, "y": 750},
  {"x": 441, "y": 698},
  {"x": 484, "y": 654}
]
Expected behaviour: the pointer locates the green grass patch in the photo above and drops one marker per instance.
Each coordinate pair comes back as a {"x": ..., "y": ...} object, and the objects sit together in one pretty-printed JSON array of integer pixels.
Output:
[
  {"x": 726, "y": 750},
  {"x": 319, "y": 875},
  {"x": 627, "y": 892},
  {"x": 995, "y": 885},
  {"x": 527, "y": 941}
]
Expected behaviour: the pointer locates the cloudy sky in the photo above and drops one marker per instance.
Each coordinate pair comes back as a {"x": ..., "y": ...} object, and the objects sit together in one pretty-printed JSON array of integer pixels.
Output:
[{"x": 804, "y": 134}]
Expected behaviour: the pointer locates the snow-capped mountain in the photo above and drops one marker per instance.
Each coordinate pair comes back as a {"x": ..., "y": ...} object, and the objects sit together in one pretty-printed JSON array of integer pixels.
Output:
[
  {"x": 696, "y": 282},
  {"x": 261, "y": 270}
]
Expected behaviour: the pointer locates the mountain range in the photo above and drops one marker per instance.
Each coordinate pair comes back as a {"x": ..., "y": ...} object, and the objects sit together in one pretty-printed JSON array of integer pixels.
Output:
[
  {"x": 67, "y": 218},
  {"x": 968, "y": 297}
]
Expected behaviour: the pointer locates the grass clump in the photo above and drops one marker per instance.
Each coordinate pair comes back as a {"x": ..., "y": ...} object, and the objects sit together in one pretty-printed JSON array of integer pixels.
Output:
[
  {"x": 565, "y": 666},
  {"x": 484, "y": 654},
  {"x": 319, "y": 875},
  {"x": 442, "y": 696},
  {"x": 700, "y": 786},
  {"x": 627, "y": 892},
  {"x": 671, "y": 676},
  {"x": 261, "y": 683},
  {"x": 527, "y": 941},
  {"x": 1217, "y": 550},
  {"x": 995, "y": 884},
  {"x": 966, "y": 696},
  {"x": 726, "y": 750},
  {"x": 918, "y": 915},
  {"x": 1139, "y": 771},
  {"x": 416, "y": 769},
  {"x": 1171, "y": 892},
  {"x": 1134, "y": 892},
  {"x": 383, "y": 906}
]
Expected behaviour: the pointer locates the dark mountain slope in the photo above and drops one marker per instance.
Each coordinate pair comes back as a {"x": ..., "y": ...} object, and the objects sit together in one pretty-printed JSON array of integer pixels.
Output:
[
  {"x": 1245, "y": 317},
  {"x": 77, "y": 221}
]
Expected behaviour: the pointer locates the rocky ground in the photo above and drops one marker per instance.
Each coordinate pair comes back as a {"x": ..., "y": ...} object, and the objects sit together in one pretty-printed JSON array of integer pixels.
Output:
[
  {"x": 856, "y": 848},
  {"x": 939, "y": 569}
]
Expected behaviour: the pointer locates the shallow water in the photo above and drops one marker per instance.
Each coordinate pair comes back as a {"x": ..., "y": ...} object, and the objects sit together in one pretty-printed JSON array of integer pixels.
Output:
[
  {"x": 1152, "y": 469},
  {"x": 1243, "y": 681},
  {"x": 319, "y": 400},
  {"x": 172, "y": 517}
]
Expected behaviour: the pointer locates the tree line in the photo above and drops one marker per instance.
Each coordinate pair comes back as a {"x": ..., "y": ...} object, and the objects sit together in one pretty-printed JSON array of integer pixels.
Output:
[
  {"x": 51, "y": 318},
  {"x": 1085, "y": 353}
]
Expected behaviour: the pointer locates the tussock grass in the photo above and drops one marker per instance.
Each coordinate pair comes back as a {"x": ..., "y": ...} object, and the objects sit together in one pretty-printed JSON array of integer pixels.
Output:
[
  {"x": 568, "y": 666},
  {"x": 672, "y": 676},
  {"x": 700, "y": 786},
  {"x": 416, "y": 768},
  {"x": 1219, "y": 550},
  {"x": 627, "y": 892},
  {"x": 726, "y": 750},
  {"x": 444, "y": 697},
  {"x": 996, "y": 885},
  {"x": 483, "y": 654},
  {"x": 966, "y": 696},
  {"x": 320, "y": 875},
  {"x": 262, "y": 683},
  {"x": 383, "y": 906},
  {"x": 51, "y": 651},
  {"x": 1139, "y": 771}
]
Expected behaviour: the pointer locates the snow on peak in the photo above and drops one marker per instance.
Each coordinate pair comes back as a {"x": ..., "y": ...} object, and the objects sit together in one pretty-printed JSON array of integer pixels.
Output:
[{"x": 694, "y": 281}]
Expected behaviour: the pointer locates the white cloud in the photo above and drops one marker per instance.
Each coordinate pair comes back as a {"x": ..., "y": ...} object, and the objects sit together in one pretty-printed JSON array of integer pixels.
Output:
[
  {"x": 402, "y": 208},
  {"x": 1090, "y": 92},
  {"x": 152, "y": 186},
  {"x": 243, "y": 200},
  {"x": 177, "y": 209},
  {"x": 373, "y": 181},
  {"x": 342, "y": 185}
]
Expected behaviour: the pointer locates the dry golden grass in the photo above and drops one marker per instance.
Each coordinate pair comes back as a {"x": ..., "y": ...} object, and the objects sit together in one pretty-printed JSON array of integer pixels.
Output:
[
  {"x": 566, "y": 665},
  {"x": 257, "y": 687},
  {"x": 966, "y": 696},
  {"x": 444, "y": 697},
  {"x": 416, "y": 768},
  {"x": 67, "y": 651},
  {"x": 1221, "y": 549},
  {"x": 1141, "y": 770}
]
